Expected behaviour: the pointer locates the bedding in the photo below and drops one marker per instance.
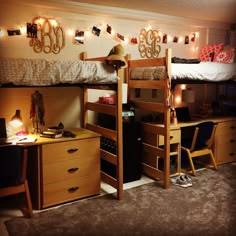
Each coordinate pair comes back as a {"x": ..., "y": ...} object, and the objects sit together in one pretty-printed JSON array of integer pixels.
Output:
[
  {"x": 203, "y": 71},
  {"x": 41, "y": 72},
  {"x": 148, "y": 73}
]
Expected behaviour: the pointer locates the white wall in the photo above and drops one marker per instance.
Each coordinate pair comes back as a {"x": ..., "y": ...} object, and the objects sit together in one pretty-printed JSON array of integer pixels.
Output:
[{"x": 14, "y": 16}]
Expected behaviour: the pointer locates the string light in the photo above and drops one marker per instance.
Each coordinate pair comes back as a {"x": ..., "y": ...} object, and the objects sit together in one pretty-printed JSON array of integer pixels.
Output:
[
  {"x": 70, "y": 32},
  {"x": 23, "y": 30},
  {"x": 130, "y": 39}
]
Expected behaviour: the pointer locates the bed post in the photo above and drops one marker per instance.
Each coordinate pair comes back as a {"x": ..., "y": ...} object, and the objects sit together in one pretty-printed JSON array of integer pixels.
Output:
[
  {"x": 167, "y": 119},
  {"x": 119, "y": 127},
  {"x": 84, "y": 109}
]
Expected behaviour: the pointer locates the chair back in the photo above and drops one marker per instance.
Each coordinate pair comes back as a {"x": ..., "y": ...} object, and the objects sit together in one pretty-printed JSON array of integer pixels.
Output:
[
  {"x": 205, "y": 135},
  {"x": 12, "y": 165}
]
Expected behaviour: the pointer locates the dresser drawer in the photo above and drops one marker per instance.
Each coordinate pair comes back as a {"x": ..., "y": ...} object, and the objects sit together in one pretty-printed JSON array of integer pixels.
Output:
[
  {"x": 158, "y": 140},
  {"x": 68, "y": 150},
  {"x": 225, "y": 149},
  {"x": 73, "y": 168},
  {"x": 226, "y": 127},
  {"x": 72, "y": 189}
]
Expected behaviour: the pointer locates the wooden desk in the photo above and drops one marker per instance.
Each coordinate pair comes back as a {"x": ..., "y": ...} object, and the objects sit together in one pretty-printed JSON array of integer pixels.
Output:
[
  {"x": 224, "y": 147},
  {"x": 64, "y": 169}
]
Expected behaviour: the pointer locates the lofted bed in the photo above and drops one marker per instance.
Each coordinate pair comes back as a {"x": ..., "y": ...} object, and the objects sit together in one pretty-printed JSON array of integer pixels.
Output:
[
  {"x": 89, "y": 74},
  {"x": 160, "y": 76}
]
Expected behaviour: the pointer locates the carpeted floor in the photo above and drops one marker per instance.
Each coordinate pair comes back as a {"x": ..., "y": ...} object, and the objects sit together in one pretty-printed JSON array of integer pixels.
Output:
[{"x": 206, "y": 208}]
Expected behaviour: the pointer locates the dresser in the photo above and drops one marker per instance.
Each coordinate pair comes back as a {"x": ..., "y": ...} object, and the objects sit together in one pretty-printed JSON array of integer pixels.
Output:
[
  {"x": 65, "y": 169},
  {"x": 225, "y": 141}
]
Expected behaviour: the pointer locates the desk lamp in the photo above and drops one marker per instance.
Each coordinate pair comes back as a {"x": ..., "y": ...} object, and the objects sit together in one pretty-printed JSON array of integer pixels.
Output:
[
  {"x": 188, "y": 96},
  {"x": 16, "y": 122}
]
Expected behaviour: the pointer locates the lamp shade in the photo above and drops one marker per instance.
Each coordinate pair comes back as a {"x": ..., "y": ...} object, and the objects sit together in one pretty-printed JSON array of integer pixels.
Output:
[
  {"x": 188, "y": 95},
  {"x": 16, "y": 120}
]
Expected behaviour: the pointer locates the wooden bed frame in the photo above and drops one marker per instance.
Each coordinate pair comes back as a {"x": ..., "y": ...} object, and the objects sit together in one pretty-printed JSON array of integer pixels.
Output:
[
  {"x": 115, "y": 135},
  {"x": 163, "y": 129}
]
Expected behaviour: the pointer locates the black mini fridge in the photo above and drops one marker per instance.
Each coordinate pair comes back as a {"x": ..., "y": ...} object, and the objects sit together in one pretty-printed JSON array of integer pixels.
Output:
[{"x": 132, "y": 148}]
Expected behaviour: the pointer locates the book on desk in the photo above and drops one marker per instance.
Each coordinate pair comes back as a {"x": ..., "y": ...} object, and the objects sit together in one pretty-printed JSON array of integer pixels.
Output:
[{"x": 51, "y": 133}]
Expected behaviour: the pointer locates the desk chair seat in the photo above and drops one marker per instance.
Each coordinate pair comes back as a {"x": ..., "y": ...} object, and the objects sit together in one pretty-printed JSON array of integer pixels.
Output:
[
  {"x": 13, "y": 166},
  {"x": 200, "y": 143}
]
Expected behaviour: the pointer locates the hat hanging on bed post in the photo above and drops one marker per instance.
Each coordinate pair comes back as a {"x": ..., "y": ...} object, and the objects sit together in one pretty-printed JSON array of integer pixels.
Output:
[{"x": 116, "y": 57}]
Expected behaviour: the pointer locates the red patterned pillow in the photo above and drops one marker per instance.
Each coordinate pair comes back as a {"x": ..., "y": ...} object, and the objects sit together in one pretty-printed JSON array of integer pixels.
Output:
[
  {"x": 225, "y": 56},
  {"x": 206, "y": 50}
]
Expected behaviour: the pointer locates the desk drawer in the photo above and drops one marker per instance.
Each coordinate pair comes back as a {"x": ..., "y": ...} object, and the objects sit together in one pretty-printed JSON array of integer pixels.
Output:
[
  {"x": 174, "y": 137},
  {"x": 72, "y": 189},
  {"x": 226, "y": 127},
  {"x": 68, "y": 150},
  {"x": 73, "y": 168},
  {"x": 226, "y": 149},
  {"x": 156, "y": 140}
]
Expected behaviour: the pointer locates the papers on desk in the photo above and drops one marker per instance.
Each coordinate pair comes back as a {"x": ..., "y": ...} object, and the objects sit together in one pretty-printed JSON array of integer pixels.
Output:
[{"x": 26, "y": 139}]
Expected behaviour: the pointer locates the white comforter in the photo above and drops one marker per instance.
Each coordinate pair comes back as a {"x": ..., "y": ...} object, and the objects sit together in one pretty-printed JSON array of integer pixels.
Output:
[
  {"x": 205, "y": 71},
  {"x": 41, "y": 72}
]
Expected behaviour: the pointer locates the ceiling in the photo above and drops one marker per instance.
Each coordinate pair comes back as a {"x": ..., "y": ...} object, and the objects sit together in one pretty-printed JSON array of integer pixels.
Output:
[{"x": 217, "y": 10}]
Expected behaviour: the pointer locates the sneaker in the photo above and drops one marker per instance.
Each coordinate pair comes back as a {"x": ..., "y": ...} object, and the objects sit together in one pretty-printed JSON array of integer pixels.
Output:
[
  {"x": 179, "y": 181},
  {"x": 188, "y": 180}
]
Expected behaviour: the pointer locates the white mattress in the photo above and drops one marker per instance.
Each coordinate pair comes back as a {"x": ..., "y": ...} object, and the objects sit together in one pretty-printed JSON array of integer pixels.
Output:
[
  {"x": 40, "y": 72},
  {"x": 205, "y": 71}
]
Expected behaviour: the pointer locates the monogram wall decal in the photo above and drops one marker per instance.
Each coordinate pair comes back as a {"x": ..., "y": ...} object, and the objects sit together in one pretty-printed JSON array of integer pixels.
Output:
[
  {"x": 148, "y": 43},
  {"x": 46, "y": 36}
]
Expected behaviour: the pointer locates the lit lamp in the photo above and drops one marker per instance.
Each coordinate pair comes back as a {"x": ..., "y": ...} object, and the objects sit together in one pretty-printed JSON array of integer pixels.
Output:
[
  {"x": 188, "y": 96},
  {"x": 16, "y": 123},
  {"x": 16, "y": 120}
]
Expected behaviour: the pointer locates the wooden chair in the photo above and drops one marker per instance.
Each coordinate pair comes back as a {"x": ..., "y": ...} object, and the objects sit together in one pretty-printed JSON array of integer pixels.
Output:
[
  {"x": 13, "y": 165},
  {"x": 200, "y": 144}
]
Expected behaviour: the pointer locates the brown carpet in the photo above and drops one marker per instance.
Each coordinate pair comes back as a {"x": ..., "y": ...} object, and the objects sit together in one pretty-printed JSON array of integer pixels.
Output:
[{"x": 206, "y": 208}]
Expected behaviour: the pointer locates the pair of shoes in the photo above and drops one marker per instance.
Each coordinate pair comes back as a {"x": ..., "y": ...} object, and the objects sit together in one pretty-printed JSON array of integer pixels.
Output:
[
  {"x": 182, "y": 181},
  {"x": 188, "y": 180}
]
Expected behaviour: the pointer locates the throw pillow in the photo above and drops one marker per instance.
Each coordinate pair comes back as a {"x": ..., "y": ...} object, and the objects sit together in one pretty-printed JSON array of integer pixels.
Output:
[
  {"x": 225, "y": 56},
  {"x": 208, "y": 49}
]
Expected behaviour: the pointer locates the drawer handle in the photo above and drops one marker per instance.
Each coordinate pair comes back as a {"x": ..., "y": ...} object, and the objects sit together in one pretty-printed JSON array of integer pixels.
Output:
[
  {"x": 72, "y": 150},
  {"x": 231, "y": 154},
  {"x": 232, "y": 127},
  {"x": 171, "y": 137},
  {"x": 232, "y": 140},
  {"x": 71, "y": 170},
  {"x": 73, "y": 189}
]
